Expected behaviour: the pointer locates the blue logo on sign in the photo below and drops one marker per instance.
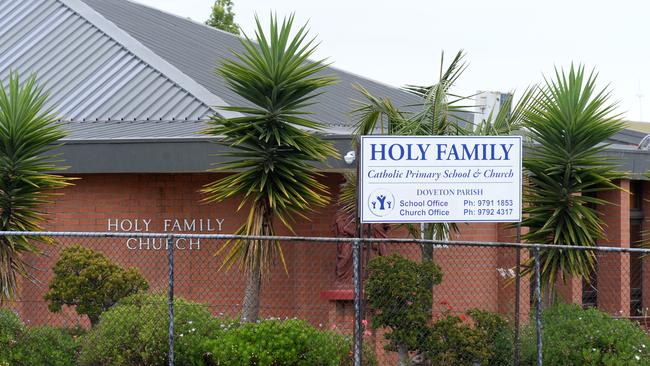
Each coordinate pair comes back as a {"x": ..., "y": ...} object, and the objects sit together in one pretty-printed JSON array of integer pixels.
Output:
[{"x": 381, "y": 202}]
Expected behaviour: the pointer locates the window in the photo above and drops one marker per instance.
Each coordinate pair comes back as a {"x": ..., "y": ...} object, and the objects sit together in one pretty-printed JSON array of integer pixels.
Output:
[{"x": 636, "y": 230}]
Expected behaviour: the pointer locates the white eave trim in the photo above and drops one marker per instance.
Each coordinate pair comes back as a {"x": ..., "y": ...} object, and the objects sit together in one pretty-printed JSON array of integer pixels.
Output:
[{"x": 146, "y": 55}]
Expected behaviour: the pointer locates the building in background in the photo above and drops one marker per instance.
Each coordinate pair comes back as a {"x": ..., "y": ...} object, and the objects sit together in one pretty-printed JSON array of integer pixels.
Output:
[
  {"x": 135, "y": 86},
  {"x": 488, "y": 102}
]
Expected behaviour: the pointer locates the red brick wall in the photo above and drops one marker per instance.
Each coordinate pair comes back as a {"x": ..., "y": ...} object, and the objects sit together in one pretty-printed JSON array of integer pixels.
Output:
[
  {"x": 614, "y": 268},
  {"x": 507, "y": 258},
  {"x": 470, "y": 274},
  {"x": 473, "y": 277},
  {"x": 94, "y": 199}
]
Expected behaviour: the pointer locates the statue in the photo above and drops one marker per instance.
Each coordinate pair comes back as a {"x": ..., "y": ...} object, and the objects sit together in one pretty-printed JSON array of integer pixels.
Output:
[{"x": 346, "y": 226}]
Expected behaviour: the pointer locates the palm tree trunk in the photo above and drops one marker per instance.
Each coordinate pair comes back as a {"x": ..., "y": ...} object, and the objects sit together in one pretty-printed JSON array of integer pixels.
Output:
[
  {"x": 251, "y": 305},
  {"x": 549, "y": 296},
  {"x": 428, "y": 232},
  {"x": 260, "y": 225}
]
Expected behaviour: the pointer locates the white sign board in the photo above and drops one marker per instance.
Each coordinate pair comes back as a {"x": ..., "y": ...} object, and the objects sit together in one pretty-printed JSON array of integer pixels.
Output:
[{"x": 440, "y": 179}]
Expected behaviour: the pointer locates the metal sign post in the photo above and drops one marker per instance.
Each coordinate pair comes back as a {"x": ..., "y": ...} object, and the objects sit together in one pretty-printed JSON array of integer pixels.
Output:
[{"x": 438, "y": 179}]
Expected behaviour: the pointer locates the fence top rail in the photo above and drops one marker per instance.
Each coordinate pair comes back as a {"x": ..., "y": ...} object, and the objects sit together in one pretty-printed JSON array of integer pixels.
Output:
[{"x": 314, "y": 239}]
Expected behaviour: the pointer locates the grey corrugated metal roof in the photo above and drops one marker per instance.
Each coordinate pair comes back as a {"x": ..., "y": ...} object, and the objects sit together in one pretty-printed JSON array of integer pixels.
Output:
[
  {"x": 137, "y": 72},
  {"x": 114, "y": 61},
  {"x": 121, "y": 130},
  {"x": 93, "y": 70},
  {"x": 627, "y": 137},
  {"x": 196, "y": 49}
]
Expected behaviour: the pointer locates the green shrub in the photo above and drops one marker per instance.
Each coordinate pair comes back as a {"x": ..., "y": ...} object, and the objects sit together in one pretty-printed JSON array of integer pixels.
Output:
[
  {"x": 453, "y": 342},
  {"x": 25, "y": 346},
  {"x": 346, "y": 347},
  {"x": 274, "y": 342},
  {"x": 575, "y": 336},
  {"x": 498, "y": 334},
  {"x": 399, "y": 294},
  {"x": 45, "y": 346},
  {"x": 90, "y": 282},
  {"x": 134, "y": 332},
  {"x": 11, "y": 328}
]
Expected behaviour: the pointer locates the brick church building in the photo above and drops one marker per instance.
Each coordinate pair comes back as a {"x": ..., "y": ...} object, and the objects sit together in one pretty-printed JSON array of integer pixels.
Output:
[{"x": 134, "y": 87}]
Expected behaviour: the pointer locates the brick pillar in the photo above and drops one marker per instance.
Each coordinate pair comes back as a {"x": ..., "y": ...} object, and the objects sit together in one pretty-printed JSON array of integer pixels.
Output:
[
  {"x": 506, "y": 259},
  {"x": 614, "y": 268},
  {"x": 645, "y": 281}
]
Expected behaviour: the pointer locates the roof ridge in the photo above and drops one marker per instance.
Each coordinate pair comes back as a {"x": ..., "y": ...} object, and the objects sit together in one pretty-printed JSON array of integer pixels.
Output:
[
  {"x": 138, "y": 3},
  {"x": 330, "y": 65},
  {"x": 146, "y": 55}
]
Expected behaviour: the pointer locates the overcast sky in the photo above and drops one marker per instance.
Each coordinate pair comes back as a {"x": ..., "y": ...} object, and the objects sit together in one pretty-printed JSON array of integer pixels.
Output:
[{"x": 510, "y": 44}]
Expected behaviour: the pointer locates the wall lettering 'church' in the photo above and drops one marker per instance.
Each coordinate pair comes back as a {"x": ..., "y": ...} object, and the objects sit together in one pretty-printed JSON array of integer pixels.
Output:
[{"x": 185, "y": 225}]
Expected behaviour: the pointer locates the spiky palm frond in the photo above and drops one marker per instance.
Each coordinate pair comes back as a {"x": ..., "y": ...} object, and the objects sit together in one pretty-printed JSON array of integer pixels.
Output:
[
  {"x": 274, "y": 144},
  {"x": 440, "y": 111},
  {"x": 440, "y": 114},
  {"x": 376, "y": 116},
  {"x": 28, "y": 131},
  {"x": 437, "y": 114},
  {"x": 569, "y": 124}
]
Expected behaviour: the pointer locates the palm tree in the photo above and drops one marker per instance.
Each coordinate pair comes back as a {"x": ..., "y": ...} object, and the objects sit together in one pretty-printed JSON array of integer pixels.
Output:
[
  {"x": 273, "y": 144},
  {"x": 438, "y": 113},
  {"x": 28, "y": 131},
  {"x": 568, "y": 123}
]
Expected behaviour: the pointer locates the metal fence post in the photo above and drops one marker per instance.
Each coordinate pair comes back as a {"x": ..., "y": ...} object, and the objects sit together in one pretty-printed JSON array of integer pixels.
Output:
[
  {"x": 517, "y": 295},
  {"x": 538, "y": 306},
  {"x": 358, "y": 292},
  {"x": 170, "y": 297}
]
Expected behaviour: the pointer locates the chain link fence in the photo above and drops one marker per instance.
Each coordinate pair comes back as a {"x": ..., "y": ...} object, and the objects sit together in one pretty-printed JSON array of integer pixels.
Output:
[{"x": 161, "y": 299}]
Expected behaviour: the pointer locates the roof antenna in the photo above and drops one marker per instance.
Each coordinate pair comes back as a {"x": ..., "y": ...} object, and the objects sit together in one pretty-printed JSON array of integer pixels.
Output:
[{"x": 644, "y": 144}]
